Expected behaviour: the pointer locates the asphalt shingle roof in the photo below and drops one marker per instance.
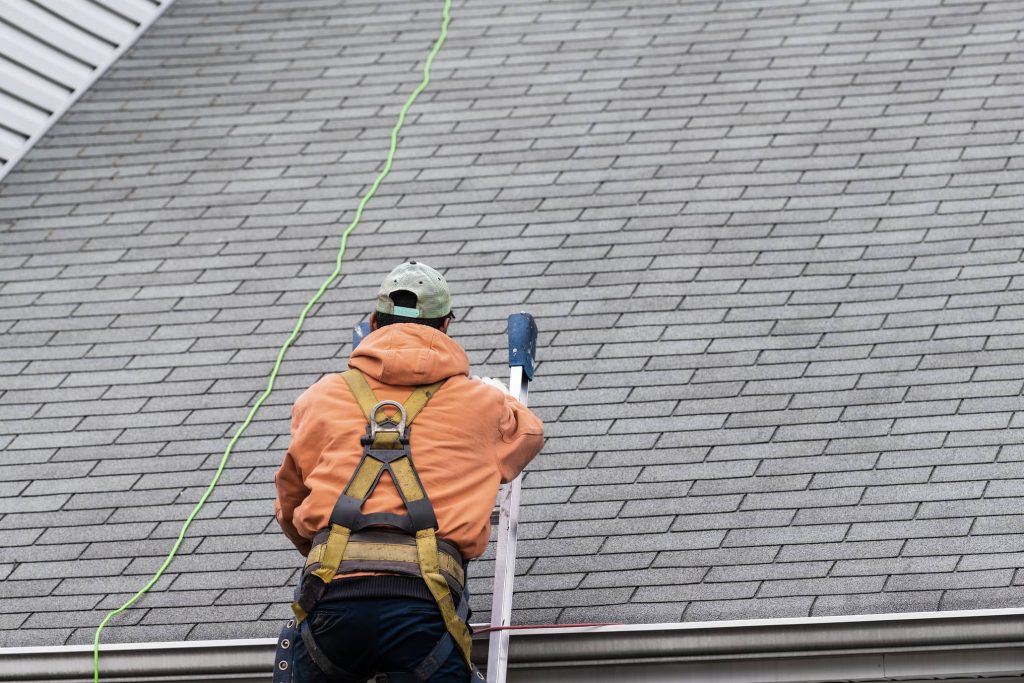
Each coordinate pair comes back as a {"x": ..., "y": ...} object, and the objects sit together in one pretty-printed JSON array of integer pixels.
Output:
[{"x": 773, "y": 247}]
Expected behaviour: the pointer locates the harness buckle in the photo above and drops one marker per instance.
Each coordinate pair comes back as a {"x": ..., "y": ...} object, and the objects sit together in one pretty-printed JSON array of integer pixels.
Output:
[{"x": 388, "y": 424}]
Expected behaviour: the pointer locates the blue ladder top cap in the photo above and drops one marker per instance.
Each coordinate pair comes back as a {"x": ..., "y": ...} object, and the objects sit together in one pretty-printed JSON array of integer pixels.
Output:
[
  {"x": 522, "y": 342},
  {"x": 358, "y": 332}
]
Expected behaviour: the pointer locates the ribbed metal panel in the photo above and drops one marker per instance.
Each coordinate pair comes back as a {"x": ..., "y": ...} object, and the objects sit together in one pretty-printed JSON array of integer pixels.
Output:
[{"x": 51, "y": 51}]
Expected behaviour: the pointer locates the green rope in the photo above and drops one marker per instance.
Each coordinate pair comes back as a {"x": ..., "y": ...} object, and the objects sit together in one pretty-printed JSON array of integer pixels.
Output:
[{"x": 295, "y": 333}]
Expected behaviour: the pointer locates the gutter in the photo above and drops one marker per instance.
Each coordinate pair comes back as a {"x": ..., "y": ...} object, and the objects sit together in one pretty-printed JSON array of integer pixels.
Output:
[{"x": 958, "y": 645}]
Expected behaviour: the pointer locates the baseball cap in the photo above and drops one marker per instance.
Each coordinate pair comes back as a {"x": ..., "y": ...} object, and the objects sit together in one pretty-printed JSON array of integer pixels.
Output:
[{"x": 433, "y": 300}]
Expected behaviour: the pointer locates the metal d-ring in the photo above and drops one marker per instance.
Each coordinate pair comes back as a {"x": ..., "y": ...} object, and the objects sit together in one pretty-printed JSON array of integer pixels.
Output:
[{"x": 375, "y": 426}]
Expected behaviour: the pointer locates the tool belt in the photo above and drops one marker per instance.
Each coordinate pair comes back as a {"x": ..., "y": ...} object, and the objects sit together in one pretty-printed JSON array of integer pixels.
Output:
[{"x": 387, "y": 542}]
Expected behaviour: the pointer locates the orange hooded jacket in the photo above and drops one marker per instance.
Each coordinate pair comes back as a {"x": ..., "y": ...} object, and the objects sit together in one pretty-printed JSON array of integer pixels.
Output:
[{"x": 469, "y": 438}]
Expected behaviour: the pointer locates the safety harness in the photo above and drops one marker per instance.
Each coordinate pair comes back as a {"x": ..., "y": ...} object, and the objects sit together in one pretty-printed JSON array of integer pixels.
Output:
[{"x": 382, "y": 541}]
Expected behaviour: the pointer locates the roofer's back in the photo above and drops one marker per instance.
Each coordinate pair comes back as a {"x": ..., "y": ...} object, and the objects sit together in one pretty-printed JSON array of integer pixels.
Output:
[{"x": 376, "y": 609}]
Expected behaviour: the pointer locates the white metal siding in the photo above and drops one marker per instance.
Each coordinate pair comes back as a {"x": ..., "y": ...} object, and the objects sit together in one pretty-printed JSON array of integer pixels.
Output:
[{"x": 51, "y": 51}]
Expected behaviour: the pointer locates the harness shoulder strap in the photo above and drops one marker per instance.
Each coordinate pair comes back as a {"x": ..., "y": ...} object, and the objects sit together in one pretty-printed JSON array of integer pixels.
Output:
[
  {"x": 370, "y": 468},
  {"x": 360, "y": 388}
]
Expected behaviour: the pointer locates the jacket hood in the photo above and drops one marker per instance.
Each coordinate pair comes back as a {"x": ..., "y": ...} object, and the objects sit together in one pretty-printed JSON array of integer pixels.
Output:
[{"x": 409, "y": 354}]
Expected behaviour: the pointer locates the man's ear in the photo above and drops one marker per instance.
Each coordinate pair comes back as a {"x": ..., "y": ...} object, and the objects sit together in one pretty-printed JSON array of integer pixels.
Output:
[
  {"x": 444, "y": 325},
  {"x": 373, "y": 321}
]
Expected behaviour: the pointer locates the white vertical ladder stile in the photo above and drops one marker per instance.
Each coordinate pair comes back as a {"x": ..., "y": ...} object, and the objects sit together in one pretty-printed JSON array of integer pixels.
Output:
[
  {"x": 505, "y": 555},
  {"x": 522, "y": 352}
]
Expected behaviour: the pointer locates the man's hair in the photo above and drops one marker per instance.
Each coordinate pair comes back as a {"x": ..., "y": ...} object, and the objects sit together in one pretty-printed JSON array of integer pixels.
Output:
[{"x": 407, "y": 299}]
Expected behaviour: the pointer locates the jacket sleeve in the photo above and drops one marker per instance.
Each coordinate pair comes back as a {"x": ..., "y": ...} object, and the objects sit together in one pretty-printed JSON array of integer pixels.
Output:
[
  {"x": 291, "y": 491},
  {"x": 291, "y": 488},
  {"x": 522, "y": 436}
]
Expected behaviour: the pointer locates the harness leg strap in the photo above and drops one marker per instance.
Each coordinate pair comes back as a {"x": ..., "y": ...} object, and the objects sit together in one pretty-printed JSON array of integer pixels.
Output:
[
  {"x": 426, "y": 546},
  {"x": 437, "y": 656}
]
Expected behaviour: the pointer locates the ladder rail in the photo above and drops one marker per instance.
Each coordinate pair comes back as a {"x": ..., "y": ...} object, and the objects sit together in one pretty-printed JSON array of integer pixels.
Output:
[
  {"x": 522, "y": 351},
  {"x": 505, "y": 555}
]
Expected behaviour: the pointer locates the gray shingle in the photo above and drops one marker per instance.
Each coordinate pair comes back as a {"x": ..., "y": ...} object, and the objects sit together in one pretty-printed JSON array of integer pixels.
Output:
[
  {"x": 593, "y": 563},
  {"x": 211, "y": 614},
  {"x": 815, "y": 463},
  {"x": 822, "y": 586},
  {"x": 912, "y": 529},
  {"x": 997, "y": 524},
  {"x": 697, "y": 591},
  {"x": 980, "y": 598},
  {"x": 876, "y": 477},
  {"x": 732, "y": 520},
  {"x": 967, "y": 508},
  {"x": 885, "y": 443},
  {"x": 769, "y": 572},
  {"x": 120, "y": 633},
  {"x": 907, "y": 569},
  {"x": 28, "y": 520},
  {"x": 709, "y": 487},
  {"x": 40, "y": 570},
  {"x": 877, "y": 603},
  {"x": 776, "y": 536},
  {"x": 664, "y": 541},
  {"x": 603, "y": 527},
  {"x": 931, "y": 491},
  {"x": 964, "y": 545},
  {"x": 855, "y": 513},
  {"x": 632, "y": 578},
  {"x": 28, "y": 588},
  {"x": 578, "y": 597},
  {"x": 681, "y": 505},
  {"x": 803, "y": 499},
  {"x": 753, "y": 608},
  {"x": 839, "y": 550},
  {"x": 959, "y": 580},
  {"x": 693, "y": 471},
  {"x": 991, "y": 561},
  {"x": 106, "y": 484},
  {"x": 23, "y": 637},
  {"x": 771, "y": 452}
]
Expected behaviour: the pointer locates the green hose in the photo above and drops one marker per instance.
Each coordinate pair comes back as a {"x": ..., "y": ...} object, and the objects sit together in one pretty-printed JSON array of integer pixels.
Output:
[{"x": 295, "y": 333}]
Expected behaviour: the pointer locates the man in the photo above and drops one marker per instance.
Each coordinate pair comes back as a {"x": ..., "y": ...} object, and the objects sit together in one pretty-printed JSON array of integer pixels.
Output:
[{"x": 388, "y": 513}]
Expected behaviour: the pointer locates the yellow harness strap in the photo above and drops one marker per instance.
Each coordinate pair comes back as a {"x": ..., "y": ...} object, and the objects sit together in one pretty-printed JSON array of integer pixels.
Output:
[
  {"x": 426, "y": 547},
  {"x": 360, "y": 388},
  {"x": 393, "y": 551},
  {"x": 333, "y": 552}
]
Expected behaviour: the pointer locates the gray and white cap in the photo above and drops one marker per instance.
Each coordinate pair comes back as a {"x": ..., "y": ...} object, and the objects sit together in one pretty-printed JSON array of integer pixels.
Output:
[{"x": 433, "y": 300}]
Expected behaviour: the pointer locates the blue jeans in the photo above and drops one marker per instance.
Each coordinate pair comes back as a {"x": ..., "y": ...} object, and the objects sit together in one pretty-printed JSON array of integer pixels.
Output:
[{"x": 372, "y": 636}]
